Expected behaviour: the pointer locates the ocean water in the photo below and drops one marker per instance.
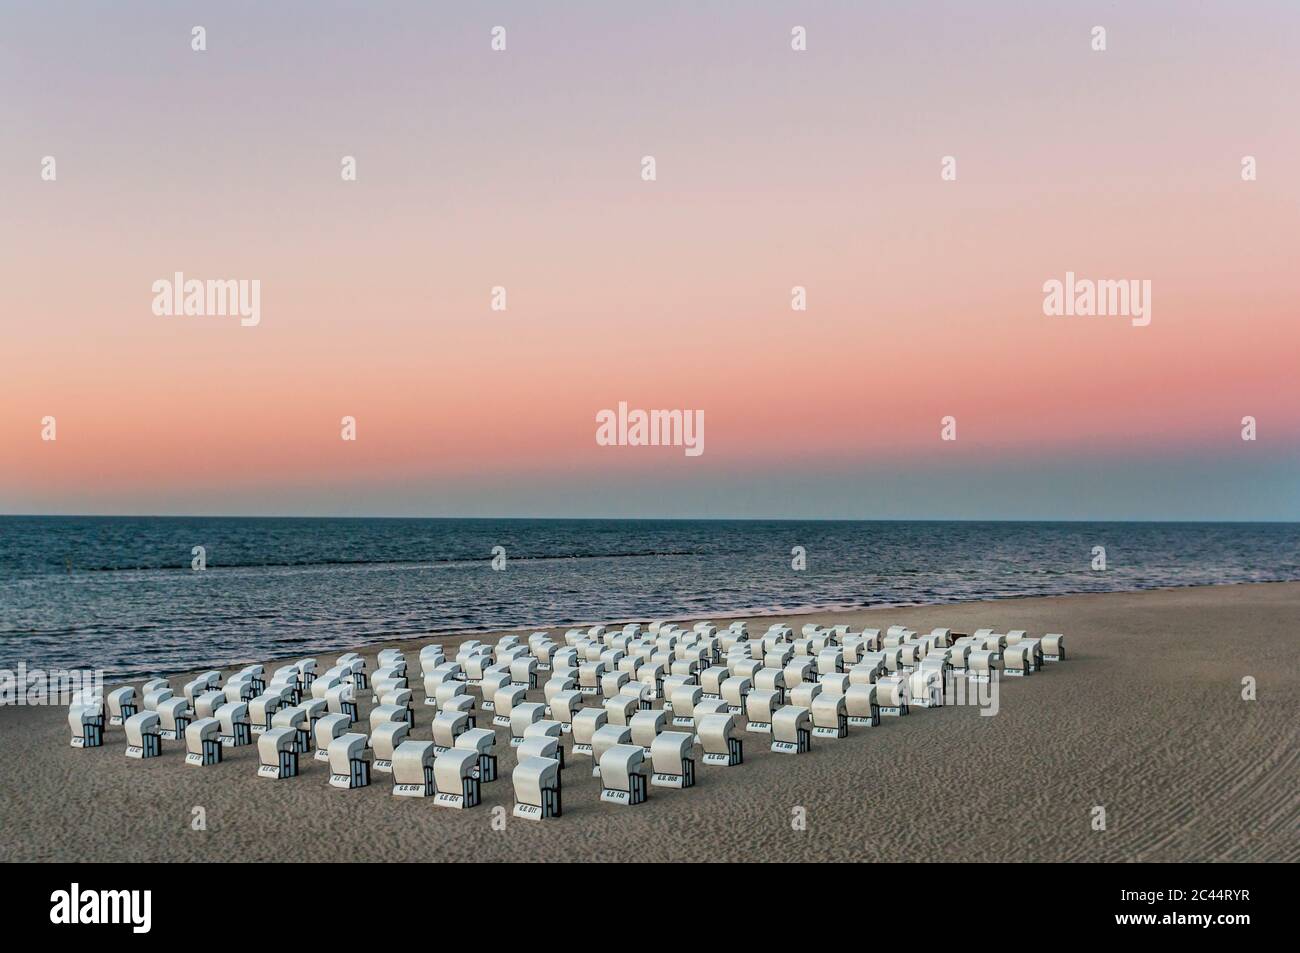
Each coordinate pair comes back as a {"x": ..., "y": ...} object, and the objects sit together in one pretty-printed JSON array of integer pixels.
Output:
[{"x": 119, "y": 594}]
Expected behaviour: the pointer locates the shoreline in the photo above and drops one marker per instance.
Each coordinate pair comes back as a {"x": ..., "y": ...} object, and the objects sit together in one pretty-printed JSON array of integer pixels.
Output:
[{"x": 1145, "y": 718}]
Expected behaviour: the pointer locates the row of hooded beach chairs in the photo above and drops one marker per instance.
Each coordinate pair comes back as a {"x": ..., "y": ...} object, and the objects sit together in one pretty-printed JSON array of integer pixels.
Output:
[{"x": 599, "y": 686}]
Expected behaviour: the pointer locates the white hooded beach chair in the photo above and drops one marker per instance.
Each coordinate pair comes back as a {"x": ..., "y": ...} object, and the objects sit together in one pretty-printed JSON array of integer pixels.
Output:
[
  {"x": 651, "y": 676},
  {"x": 542, "y": 740},
  {"x": 720, "y": 740},
  {"x": 791, "y": 730},
  {"x": 799, "y": 671},
  {"x": 206, "y": 705},
  {"x": 564, "y": 708},
  {"x": 328, "y": 729},
  {"x": 484, "y": 742},
  {"x": 521, "y": 716},
  {"x": 1018, "y": 660},
  {"x": 622, "y": 775},
  {"x": 174, "y": 716},
  {"x": 143, "y": 737},
  {"x": 860, "y": 705},
  {"x": 350, "y": 757},
  {"x": 1053, "y": 647},
  {"x": 684, "y": 700},
  {"x": 447, "y": 727},
  {"x": 734, "y": 692},
  {"x": 203, "y": 742},
  {"x": 672, "y": 761},
  {"x": 382, "y": 713},
  {"x": 87, "y": 723},
  {"x": 613, "y": 682},
  {"x": 154, "y": 697},
  {"x": 455, "y": 779},
  {"x": 604, "y": 738},
  {"x": 892, "y": 694},
  {"x": 277, "y": 753},
  {"x": 980, "y": 665},
  {"x": 621, "y": 708},
  {"x": 760, "y": 705},
  {"x": 339, "y": 700},
  {"x": 385, "y": 738},
  {"x": 536, "y": 781},
  {"x": 523, "y": 671},
  {"x": 200, "y": 684},
  {"x": 585, "y": 724},
  {"x": 413, "y": 769},
  {"x": 830, "y": 716},
  {"x": 121, "y": 705},
  {"x": 262, "y": 708},
  {"x": 805, "y": 693},
  {"x": 645, "y": 727},
  {"x": 431, "y": 656},
  {"x": 493, "y": 682},
  {"x": 236, "y": 729},
  {"x": 506, "y": 699}
]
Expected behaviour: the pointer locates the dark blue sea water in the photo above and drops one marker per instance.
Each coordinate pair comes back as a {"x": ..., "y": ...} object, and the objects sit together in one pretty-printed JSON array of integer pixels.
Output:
[{"x": 119, "y": 594}]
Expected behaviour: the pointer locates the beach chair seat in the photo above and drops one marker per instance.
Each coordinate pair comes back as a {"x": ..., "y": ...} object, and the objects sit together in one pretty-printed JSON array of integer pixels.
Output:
[
  {"x": 340, "y": 700},
  {"x": 306, "y": 672},
  {"x": 791, "y": 730},
  {"x": 671, "y": 760},
  {"x": 1053, "y": 646},
  {"x": 622, "y": 775},
  {"x": 771, "y": 680},
  {"x": 604, "y": 738},
  {"x": 589, "y": 674},
  {"x": 684, "y": 699},
  {"x": 720, "y": 740},
  {"x": 151, "y": 699},
  {"x": 263, "y": 708},
  {"x": 564, "y": 708},
  {"x": 328, "y": 729},
  {"x": 121, "y": 705},
  {"x": 834, "y": 684},
  {"x": 521, "y": 716},
  {"x": 350, "y": 758},
  {"x": 892, "y": 695},
  {"x": 981, "y": 664},
  {"x": 798, "y": 671},
  {"x": 760, "y": 705},
  {"x": 382, "y": 713},
  {"x": 456, "y": 779},
  {"x": 711, "y": 680},
  {"x": 236, "y": 728},
  {"x": 585, "y": 724},
  {"x": 734, "y": 692},
  {"x": 356, "y": 666},
  {"x": 506, "y": 699},
  {"x": 830, "y": 716},
  {"x": 413, "y": 769},
  {"x": 483, "y": 741},
  {"x": 651, "y": 676},
  {"x": 830, "y": 661},
  {"x": 612, "y": 683},
  {"x": 447, "y": 727},
  {"x": 203, "y": 742},
  {"x": 174, "y": 715},
  {"x": 645, "y": 726},
  {"x": 431, "y": 656},
  {"x": 493, "y": 682},
  {"x": 143, "y": 735},
  {"x": 925, "y": 687},
  {"x": 277, "y": 753},
  {"x": 862, "y": 710},
  {"x": 384, "y": 741},
  {"x": 1018, "y": 660},
  {"x": 621, "y": 708},
  {"x": 206, "y": 704},
  {"x": 196, "y": 686},
  {"x": 87, "y": 724},
  {"x": 536, "y": 783},
  {"x": 805, "y": 693},
  {"x": 523, "y": 671}
]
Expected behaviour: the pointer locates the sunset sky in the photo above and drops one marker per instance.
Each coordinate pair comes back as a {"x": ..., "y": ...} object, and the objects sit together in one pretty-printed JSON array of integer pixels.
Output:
[{"x": 775, "y": 168}]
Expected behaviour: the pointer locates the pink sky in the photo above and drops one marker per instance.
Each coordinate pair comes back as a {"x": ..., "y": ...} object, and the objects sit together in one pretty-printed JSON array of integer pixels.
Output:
[{"x": 522, "y": 169}]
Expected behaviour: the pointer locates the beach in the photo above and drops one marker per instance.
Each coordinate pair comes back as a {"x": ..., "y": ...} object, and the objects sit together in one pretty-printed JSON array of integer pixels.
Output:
[{"x": 1144, "y": 719}]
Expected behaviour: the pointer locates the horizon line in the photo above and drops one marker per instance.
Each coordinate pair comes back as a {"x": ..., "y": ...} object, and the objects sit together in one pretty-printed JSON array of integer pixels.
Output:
[{"x": 646, "y": 519}]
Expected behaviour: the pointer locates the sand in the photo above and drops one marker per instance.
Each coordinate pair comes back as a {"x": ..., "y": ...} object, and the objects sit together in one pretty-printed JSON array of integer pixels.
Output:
[{"x": 1145, "y": 718}]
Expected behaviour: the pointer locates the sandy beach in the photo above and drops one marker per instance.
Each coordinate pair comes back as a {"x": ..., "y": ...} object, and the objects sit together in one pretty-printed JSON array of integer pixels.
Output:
[{"x": 1145, "y": 718}]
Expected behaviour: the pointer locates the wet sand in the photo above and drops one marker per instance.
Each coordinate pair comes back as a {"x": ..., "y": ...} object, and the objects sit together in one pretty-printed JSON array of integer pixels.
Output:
[{"x": 1145, "y": 718}]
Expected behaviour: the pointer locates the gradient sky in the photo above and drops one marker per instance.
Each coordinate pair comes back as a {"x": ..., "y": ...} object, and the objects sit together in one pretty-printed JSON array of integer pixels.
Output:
[{"x": 775, "y": 169}]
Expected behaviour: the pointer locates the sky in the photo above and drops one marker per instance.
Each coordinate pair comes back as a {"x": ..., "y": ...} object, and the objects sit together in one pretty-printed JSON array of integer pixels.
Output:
[{"x": 774, "y": 168}]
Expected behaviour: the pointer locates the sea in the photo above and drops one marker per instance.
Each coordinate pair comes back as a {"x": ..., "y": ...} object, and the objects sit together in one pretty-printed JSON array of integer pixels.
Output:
[{"x": 123, "y": 595}]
